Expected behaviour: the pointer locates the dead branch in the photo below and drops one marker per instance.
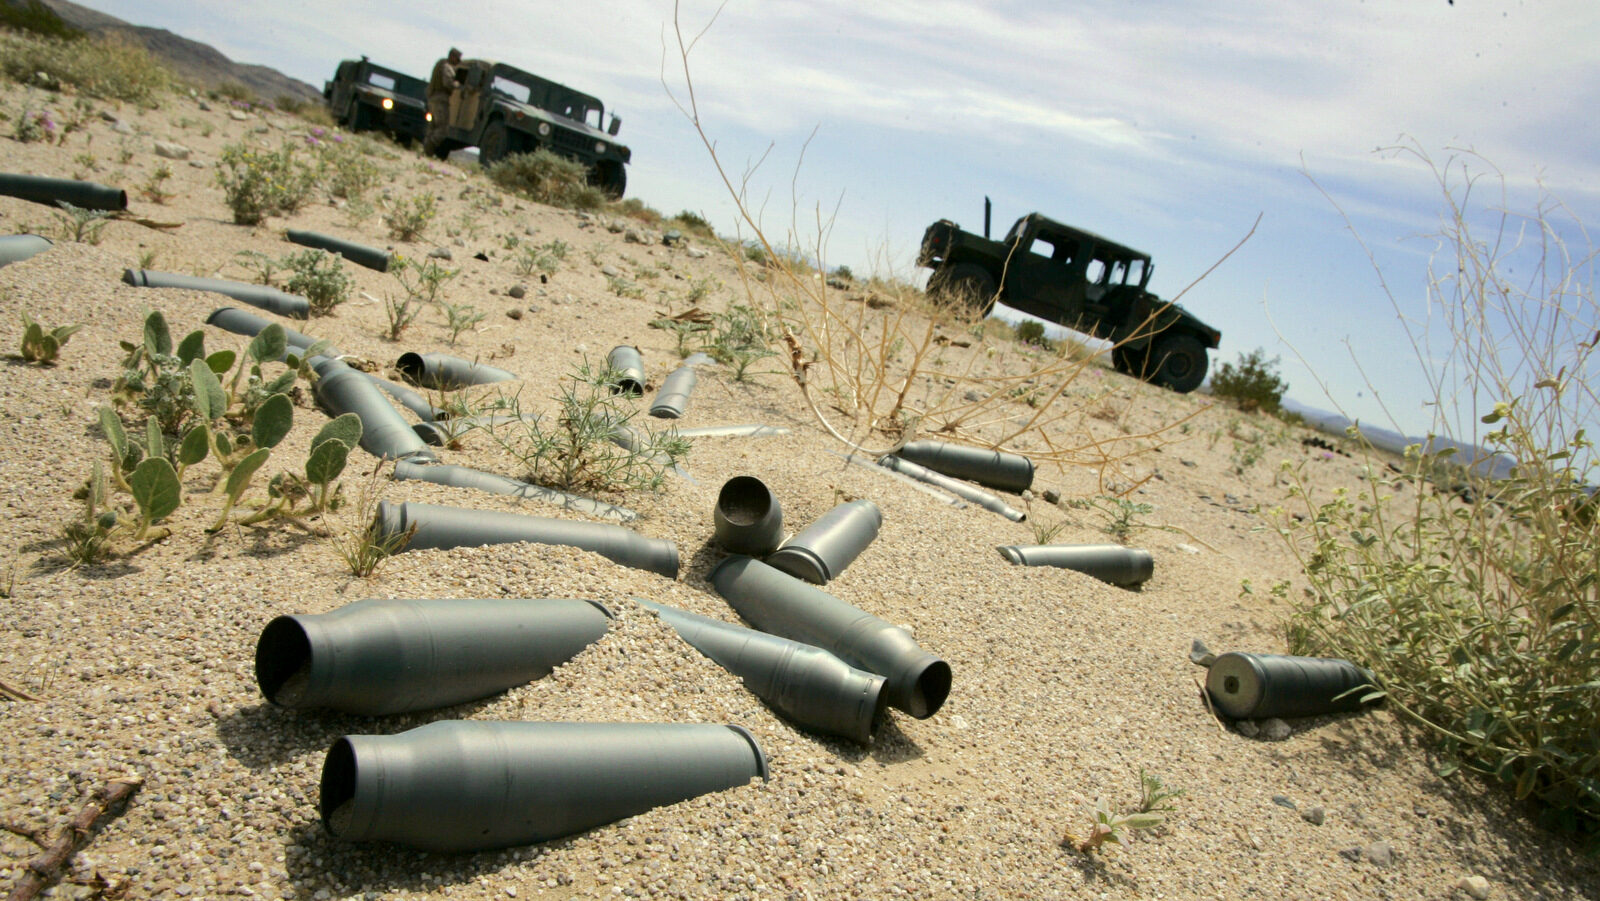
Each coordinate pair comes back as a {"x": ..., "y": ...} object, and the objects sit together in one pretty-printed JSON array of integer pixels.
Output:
[
  {"x": 16, "y": 694},
  {"x": 47, "y": 867}
]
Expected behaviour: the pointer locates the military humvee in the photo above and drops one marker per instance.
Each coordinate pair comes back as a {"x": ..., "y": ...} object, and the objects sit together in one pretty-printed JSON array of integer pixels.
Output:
[
  {"x": 503, "y": 110},
  {"x": 1077, "y": 279},
  {"x": 364, "y": 96}
]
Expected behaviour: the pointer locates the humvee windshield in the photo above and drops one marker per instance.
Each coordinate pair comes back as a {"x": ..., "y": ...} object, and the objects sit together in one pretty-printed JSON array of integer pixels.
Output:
[
  {"x": 547, "y": 95},
  {"x": 397, "y": 83}
]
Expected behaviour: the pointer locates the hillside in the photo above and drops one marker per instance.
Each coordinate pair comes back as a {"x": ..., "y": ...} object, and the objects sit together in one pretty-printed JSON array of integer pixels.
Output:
[
  {"x": 190, "y": 60},
  {"x": 142, "y": 665}
]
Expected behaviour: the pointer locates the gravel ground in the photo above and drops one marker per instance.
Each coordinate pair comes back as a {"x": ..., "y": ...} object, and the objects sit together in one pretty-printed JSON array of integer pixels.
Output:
[{"x": 1064, "y": 687}]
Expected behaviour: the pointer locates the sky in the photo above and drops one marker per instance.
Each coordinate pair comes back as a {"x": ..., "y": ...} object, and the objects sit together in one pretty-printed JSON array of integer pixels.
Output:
[{"x": 1169, "y": 126}]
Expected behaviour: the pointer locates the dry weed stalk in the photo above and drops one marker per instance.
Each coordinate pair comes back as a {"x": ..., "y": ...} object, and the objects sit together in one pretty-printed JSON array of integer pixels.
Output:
[{"x": 876, "y": 375}]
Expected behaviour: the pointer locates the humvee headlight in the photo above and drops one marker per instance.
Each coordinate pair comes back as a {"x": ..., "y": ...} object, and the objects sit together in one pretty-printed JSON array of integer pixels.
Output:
[
  {"x": 388, "y": 103},
  {"x": 427, "y": 117},
  {"x": 544, "y": 129},
  {"x": 600, "y": 147}
]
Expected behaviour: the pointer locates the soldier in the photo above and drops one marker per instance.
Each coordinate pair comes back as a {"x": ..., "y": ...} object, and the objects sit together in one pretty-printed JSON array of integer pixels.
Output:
[{"x": 440, "y": 86}]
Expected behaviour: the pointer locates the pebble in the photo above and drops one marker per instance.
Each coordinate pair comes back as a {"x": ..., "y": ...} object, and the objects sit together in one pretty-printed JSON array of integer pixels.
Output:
[
  {"x": 1186, "y": 548},
  {"x": 1275, "y": 730},
  {"x": 514, "y": 312},
  {"x": 610, "y": 271},
  {"x": 1247, "y": 728},
  {"x": 441, "y": 253},
  {"x": 696, "y": 253},
  {"x": 1475, "y": 886},
  {"x": 122, "y": 128},
  {"x": 1283, "y": 801},
  {"x": 517, "y": 291},
  {"x": 171, "y": 150},
  {"x": 1052, "y": 496},
  {"x": 237, "y": 116},
  {"x": 1314, "y": 815},
  {"x": 1379, "y": 854}
]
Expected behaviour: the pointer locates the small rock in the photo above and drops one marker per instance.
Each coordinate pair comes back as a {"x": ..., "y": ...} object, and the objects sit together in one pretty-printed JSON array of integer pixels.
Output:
[
  {"x": 1052, "y": 496},
  {"x": 636, "y": 236},
  {"x": 514, "y": 313},
  {"x": 1026, "y": 495},
  {"x": 441, "y": 253},
  {"x": 122, "y": 128},
  {"x": 532, "y": 308},
  {"x": 1187, "y": 548},
  {"x": 479, "y": 256},
  {"x": 205, "y": 107},
  {"x": 672, "y": 237},
  {"x": 1283, "y": 801},
  {"x": 1247, "y": 728},
  {"x": 1474, "y": 886},
  {"x": 1379, "y": 854},
  {"x": 517, "y": 291},
  {"x": 610, "y": 271},
  {"x": 1314, "y": 815},
  {"x": 1352, "y": 854},
  {"x": 1275, "y": 730},
  {"x": 697, "y": 253},
  {"x": 237, "y": 116},
  {"x": 1188, "y": 463},
  {"x": 171, "y": 151},
  {"x": 108, "y": 116},
  {"x": 615, "y": 227},
  {"x": 196, "y": 164}
]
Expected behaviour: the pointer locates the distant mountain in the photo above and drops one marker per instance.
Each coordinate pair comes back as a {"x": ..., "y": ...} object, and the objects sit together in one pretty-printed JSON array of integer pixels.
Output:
[
  {"x": 1495, "y": 466},
  {"x": 190, "y": 60}
]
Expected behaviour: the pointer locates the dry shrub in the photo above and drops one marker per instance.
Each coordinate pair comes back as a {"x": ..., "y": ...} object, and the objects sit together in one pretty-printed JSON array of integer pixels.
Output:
[{"x": 878, "y": 373}]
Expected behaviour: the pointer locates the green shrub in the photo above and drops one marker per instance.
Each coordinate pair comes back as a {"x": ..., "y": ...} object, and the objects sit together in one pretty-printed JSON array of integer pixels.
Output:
[
  {"x": 318, "y": 276},
  {"x": 1031, "y": 332},
  {"x": 694, "y": 223},
  {"x": 33, "y": 16},
  {"x": 1253, "y": 383},
  {"x": 1476, "y": 609},
  {"x": 347, "y": 172},
  {"x": 576, "y": 449},
  {"x": 260, "y": 183},
  {"x": 110, "y": 67},
  {"x": 544, "y": 177},
  {"x": 409, "y": 219}
]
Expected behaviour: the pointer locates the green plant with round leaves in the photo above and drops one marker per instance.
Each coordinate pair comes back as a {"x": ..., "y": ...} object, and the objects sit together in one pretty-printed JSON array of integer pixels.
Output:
[
  {"x": 43, "y": 347},
  {"x": 156, "y": 491}
]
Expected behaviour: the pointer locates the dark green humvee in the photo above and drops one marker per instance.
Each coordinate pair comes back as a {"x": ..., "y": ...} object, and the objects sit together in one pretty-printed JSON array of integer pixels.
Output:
[
  {"x": 364, "y": 96},
  {"x": 503, "y": 110},
  {"x": 1077, "y": 279}
]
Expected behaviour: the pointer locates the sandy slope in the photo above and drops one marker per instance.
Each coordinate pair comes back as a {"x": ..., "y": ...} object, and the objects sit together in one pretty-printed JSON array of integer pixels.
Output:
[{"x": 1064, "y": 686}]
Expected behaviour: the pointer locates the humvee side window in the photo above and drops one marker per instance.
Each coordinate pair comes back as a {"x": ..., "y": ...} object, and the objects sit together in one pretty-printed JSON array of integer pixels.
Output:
[
  {"x": 1119, "y": 272},
  {"x": 1043, "y": 247},
  {"x": 592, "y": 117},
  {"x": 1096, "y": 273},
  {"x": 1135, "y": 272},
  {"x": 509, "y": 88},
  {"x": 382, "y": 81}
]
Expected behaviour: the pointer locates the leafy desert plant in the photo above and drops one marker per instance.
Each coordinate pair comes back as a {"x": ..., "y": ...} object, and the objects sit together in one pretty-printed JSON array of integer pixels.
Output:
[
  {"x": 155, "y": 187},
  {"x": 1253, "y": 383},
  {"x": 263, "y": 268},
  {"x": 548, "y": 178},
  {"x": 319, "y": 276},
  {"x": 347, "y": 172},
  {"x": 740, "y": 336},
  {"x": 1477, "y": 610},
  {"x": 420, "y": 284},
  {"x": 258, "y": 183},
  {"x": 459, "y": 317},
  {"x": 587, "y": 444},
  {"x": 80, "y": 225},
  {"x": 358, "y": 540},
  {"x": 1107, "y": 825},
  {"x": 40, "y": 346},
  {"x": 409, "y": 219}
]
